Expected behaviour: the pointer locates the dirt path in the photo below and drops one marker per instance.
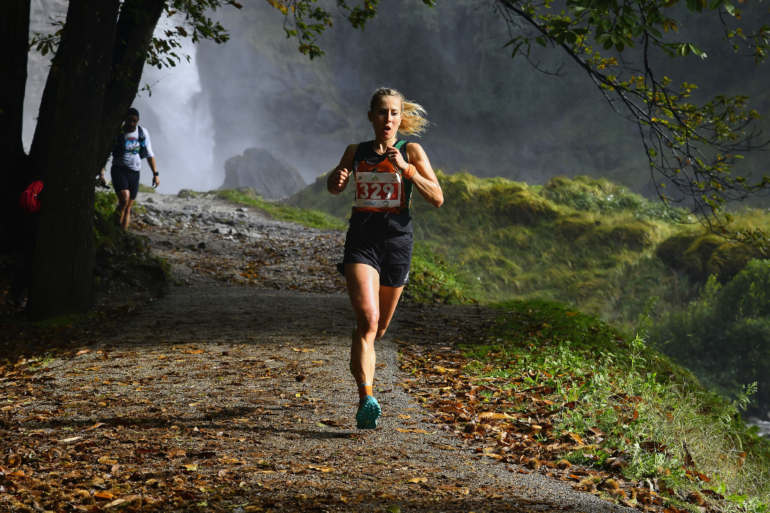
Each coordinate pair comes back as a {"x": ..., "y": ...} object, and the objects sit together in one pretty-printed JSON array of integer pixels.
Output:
[{"x": 226, "y": 396}]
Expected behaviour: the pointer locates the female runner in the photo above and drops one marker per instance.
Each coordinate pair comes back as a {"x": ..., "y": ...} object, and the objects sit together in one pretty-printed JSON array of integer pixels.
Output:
[{"x": 378, "y": 246}]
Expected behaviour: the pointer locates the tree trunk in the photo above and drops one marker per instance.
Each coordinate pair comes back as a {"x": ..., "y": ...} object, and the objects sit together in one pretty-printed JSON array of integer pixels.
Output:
[
  {"x": 65, "y": 152},
  {"x": 15, "y": 175},
  {"x": 138, "y": 19}
]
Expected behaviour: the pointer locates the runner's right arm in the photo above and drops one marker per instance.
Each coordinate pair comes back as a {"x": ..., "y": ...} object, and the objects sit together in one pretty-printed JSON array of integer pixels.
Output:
[{"x": 338, "y": 179}]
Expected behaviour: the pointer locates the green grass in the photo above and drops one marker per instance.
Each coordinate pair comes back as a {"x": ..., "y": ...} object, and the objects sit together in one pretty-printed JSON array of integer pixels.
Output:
[
  {"x": 282, "y": 212},
  {"x": 589, "y": 243},
  {"x": 432, "y": 280},
  {"x": 646, "y": 407},
  {"x": 115, "y": 247}
]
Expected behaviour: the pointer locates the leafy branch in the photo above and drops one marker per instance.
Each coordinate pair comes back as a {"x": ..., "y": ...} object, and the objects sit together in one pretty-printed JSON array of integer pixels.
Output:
[
  {"x": 689, "y": 146},
  {"x": 162, "y": 51}
]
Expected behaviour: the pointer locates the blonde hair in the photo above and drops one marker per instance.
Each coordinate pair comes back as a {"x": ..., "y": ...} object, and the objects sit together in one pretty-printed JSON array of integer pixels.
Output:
[{"x": 413, "y": 120}]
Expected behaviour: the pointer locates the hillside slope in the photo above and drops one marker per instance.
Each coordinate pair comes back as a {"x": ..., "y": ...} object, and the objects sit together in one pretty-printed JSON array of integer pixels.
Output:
[{"x": 590, "y": 243}]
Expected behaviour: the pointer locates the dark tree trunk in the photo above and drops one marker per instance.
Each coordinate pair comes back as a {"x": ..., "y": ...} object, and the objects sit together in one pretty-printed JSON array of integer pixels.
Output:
[
  {"x": 14, "y": 174},
  {"x": 65, "y": 152},
  {"x": 138, "y": 19}
]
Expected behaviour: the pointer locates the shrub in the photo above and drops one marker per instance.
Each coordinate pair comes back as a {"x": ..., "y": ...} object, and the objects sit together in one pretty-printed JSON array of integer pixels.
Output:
[{"x": 724, "y": 336}]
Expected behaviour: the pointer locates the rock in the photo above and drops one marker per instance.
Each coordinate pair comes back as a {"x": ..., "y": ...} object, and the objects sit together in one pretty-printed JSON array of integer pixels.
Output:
[
  {"x": 152, "y": 220},
  {"x": 259, "y": 169},
  {"x": 187, "y": 193}
]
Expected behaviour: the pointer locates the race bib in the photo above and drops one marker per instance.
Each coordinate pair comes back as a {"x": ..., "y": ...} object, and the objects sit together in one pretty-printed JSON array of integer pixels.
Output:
[{"x": 378, "y": 190}]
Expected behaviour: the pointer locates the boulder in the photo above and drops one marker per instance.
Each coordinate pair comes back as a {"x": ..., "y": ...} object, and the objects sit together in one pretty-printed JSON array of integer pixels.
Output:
[{"x": 258, "y": 169}]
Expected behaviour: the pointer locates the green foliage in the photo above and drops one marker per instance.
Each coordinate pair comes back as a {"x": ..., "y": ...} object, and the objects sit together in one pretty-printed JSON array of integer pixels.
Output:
[
  {"x": 724, "y": 336},
  {"x": 316, "y": 197},
  {"x": 308, "y": 22},
  {"x": 585, "y": 242},
  {"x": 702, "y": 254},
  {"x": 644, "y": 407},
  {"x": 118, "y": 249},
  {"x": 600, "y": 195},
  {"x": 282, "y": 212},
  {"x": 692, "y": 147},
  {"x": 431, "y": 280}
]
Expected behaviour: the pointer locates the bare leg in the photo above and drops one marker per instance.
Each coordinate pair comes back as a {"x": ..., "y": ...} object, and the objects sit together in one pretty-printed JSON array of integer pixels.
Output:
[
  {"x": 388, "y": 301},
  {"x": 363, "y": 289},
  {"x": 127, "y": 215},
  {"x": 120, "y": 211}
]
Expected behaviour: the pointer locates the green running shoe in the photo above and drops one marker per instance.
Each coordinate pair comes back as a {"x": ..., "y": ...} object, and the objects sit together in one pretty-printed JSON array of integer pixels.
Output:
[{"x": 368, "y": 412}]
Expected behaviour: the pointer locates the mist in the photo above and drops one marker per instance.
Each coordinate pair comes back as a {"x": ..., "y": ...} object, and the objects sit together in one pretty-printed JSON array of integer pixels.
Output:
[
  {"x": 491, "y": 115},
  {"x": 178, "y": 118}
]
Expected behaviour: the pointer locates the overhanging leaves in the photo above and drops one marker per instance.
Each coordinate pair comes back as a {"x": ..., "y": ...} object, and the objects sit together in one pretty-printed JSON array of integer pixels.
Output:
[{"x": 690, "y": 146}]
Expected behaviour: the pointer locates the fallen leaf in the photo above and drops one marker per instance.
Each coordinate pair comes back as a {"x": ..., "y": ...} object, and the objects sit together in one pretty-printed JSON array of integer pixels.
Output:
[
  {"x": 106, "y": 460},
  {"x": 70, "y": 440},
  {"x": 191, "y": 467},
  {"x": 176, "y": 453},
  {"x": 418, "y": 480},
  {"x": 97, "y": 425},
  {"x": 322, "y": 469},
  {"x": 194, "y": 351},
  {"x": 576, "y": 438},
  {"x": 488, "y": 415},
  {"x": 114, "y": 503},
  {"x": 83, "y": 351},
  {"x": 104, "y": 495}
]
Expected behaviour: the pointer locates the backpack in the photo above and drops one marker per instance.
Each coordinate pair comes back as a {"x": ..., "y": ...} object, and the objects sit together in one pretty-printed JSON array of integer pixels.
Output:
[
  {"x": 30, "y": 198},
  {"x": 120, "y": 144}
]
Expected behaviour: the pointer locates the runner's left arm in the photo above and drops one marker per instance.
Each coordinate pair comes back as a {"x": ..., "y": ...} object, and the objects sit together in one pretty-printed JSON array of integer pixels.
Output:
[
  {"x": 151, "y": 158},
  {"x": 424, "y": 179}
]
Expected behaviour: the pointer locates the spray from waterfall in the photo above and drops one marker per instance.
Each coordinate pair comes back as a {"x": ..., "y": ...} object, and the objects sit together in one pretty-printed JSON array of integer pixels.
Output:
[{"x": 177, "y": 115}]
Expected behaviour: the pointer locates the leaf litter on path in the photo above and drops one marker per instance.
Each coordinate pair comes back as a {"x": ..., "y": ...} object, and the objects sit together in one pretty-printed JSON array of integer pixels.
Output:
[{"x": 195, "y": 405}]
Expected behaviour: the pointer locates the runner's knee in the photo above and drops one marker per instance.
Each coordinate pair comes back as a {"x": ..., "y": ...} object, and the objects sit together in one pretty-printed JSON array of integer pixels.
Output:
[{"x": 370, "y": 324}]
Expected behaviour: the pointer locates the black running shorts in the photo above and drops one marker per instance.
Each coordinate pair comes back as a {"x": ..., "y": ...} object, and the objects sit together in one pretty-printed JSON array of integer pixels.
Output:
[
  {"x": 389, "y": 253},
  {"x": 124, "y": 179}
]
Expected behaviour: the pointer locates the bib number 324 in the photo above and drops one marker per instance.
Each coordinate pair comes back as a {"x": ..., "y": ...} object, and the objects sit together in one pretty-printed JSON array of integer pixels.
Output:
[{"x": 378, "y": 190}]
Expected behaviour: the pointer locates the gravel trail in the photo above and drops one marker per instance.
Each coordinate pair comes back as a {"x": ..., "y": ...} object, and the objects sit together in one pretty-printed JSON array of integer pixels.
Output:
[{"x": 232, "y": 393}]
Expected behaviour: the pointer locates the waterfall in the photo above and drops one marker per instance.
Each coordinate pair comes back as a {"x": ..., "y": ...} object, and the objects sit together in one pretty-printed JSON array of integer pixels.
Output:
[{"x": 177, "y": 115}]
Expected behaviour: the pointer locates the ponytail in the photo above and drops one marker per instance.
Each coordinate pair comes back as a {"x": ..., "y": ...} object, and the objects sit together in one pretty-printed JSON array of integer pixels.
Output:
[{"x": 413, "y": 120}]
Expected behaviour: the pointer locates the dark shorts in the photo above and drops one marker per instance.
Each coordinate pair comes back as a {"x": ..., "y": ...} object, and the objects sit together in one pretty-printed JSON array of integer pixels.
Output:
[
  {"x": 390, "y": 254},
  {"x": 124, "y": 179}
]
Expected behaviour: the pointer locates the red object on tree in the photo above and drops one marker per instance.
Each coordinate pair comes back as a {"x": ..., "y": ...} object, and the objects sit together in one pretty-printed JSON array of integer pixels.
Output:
[{"x": 29, "y": 200}]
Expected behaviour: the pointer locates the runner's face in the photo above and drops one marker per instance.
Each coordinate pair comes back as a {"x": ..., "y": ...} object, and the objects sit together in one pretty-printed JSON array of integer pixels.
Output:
[
  {"x": 130, "y": 124},
  {"x": 386, "y": 117}
]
